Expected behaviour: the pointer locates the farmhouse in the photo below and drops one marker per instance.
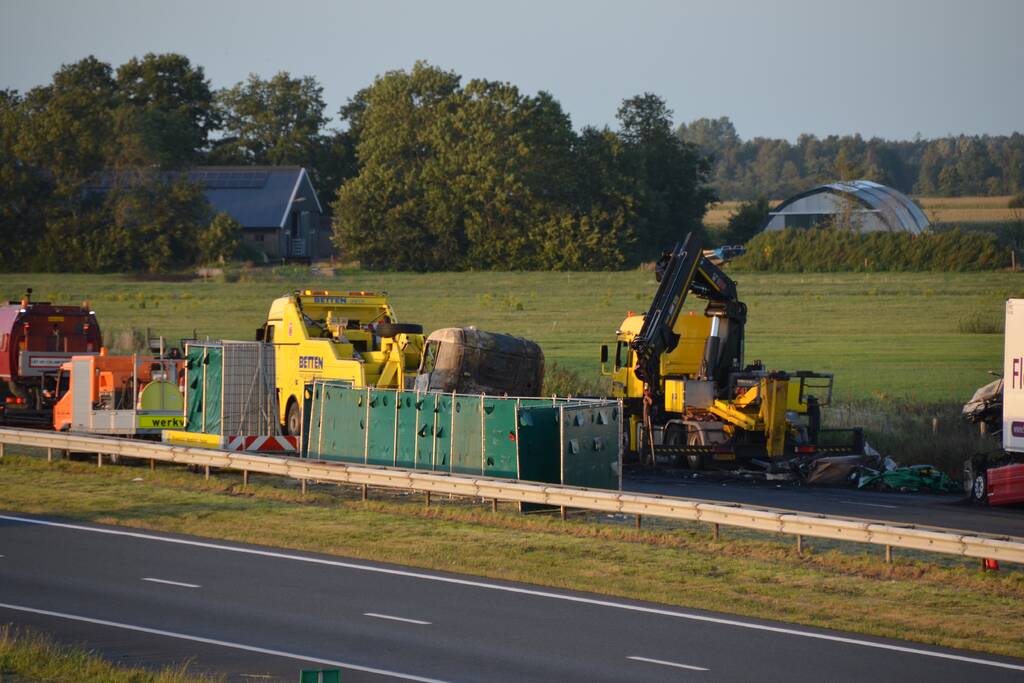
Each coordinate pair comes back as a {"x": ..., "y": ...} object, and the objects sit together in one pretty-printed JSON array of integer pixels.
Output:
[
  {"x": 862, "y": 205},
  {"x": 278, "y": 208}
]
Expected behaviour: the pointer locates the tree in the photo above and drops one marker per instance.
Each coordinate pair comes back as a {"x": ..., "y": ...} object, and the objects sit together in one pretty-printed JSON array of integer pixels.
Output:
[
  {"x": 674, "y": 195},
  {"x": 166, "y": 106},
  {"x": 156, "y": 223},
  {"x": 747, "y": 221},
  {"x": 221, "y": 239}
]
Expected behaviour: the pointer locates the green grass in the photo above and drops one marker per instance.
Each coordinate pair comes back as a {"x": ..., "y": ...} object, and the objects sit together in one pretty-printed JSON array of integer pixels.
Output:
[
  {"x": 26, "y": 655},
  {"x": 944, "y": 601},
  {"x": 883, "y": 335}
]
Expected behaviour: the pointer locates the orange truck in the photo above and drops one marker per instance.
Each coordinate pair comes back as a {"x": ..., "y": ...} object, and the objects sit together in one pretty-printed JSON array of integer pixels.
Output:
[{"x": 137, "y": 395}]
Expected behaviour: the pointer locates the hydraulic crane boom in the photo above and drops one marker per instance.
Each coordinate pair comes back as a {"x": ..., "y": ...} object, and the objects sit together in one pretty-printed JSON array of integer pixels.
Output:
[{"x": 684, "y": 269}]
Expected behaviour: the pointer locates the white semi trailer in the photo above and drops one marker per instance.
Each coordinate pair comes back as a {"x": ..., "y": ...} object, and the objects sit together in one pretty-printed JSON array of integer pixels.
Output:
[{"x": 1000, "y": 480}]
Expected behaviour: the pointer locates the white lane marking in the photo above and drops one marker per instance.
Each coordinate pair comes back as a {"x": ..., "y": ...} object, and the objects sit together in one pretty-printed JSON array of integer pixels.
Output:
[
  {"x": 172, "y": 583},
  {"x": 664, "y": 663},
  {"x": 222, "y": 643},
  {"x": 387, "y": 616},
  {"x": 528, "y": 591},
  {"x": 870, "y": 505}
]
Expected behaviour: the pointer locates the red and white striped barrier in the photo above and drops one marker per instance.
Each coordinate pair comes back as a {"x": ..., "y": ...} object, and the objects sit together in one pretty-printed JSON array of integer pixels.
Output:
[{"x": 261, "y": 444}]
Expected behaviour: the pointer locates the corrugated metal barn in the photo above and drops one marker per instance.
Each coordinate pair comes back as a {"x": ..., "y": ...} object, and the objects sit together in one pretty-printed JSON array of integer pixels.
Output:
[{"x": 865, "y": 205}]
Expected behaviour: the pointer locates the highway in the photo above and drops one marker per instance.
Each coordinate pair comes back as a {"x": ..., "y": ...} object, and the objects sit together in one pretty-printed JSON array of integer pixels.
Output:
[
  {"x": 152, "y": 599},
  {"x": 949, "y": 511}
]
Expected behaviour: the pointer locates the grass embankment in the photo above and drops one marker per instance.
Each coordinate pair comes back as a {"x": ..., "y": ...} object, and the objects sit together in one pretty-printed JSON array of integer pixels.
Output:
[
  {"x": 27, "y": 656},
  {"x": 950, "y": 604}
]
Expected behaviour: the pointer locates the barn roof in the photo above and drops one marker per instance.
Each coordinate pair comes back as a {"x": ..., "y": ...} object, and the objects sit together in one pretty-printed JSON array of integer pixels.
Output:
[{"x": 255, "y": 196}]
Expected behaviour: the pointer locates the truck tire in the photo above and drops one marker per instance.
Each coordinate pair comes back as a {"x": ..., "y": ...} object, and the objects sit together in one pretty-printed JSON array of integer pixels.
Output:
[
  {"x": 293, "y": 419},
  {"x": 979, "y": 488},
  {"x": 393, "y": 329}
]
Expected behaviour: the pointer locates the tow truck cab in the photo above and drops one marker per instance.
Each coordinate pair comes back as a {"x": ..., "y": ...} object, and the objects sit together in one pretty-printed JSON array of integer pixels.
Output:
[{"x": 349, "y": 336}]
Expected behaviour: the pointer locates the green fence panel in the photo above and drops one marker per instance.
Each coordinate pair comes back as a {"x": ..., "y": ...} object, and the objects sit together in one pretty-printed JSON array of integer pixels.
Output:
[
  {"x": 405, "y": 429},
  {"x": 380, "y": 449},
  {"x": 590, "y": 448},
  {"x": 467, "y": 436},
  {"x": 214, "y": 362},
  {"x": 443, "y": 433},
  {"x": 194, "y": 388},
  {"x": 500, "y": 445},
  {"x": 425, "y": 413},
  {"x": 342, "y": 433},
  {"x": 538, "y": 444}
]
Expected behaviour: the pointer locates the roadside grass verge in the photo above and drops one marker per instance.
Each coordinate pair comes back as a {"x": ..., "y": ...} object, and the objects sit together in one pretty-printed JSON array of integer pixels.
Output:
[
  {"x": 946, "y": 603},
  {"x": 915, "y": 433},
  {"x": 26, "y": 655}
]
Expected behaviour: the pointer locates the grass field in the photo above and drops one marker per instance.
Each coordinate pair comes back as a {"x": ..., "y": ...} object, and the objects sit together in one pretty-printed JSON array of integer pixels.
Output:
[
  {"x": 949, "y": 210},
  {"x": 896, "y": 336},
  {"x": 27, "y": 656},
  {"x": 946, "y": 601}
]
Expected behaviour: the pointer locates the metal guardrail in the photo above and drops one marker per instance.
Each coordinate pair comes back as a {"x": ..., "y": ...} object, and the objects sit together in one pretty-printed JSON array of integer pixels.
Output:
[{"x": 890, "y": 535}]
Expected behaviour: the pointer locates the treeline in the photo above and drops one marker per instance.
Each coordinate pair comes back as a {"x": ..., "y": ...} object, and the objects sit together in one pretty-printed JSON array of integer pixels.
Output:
[
  {"x": 457, "y": 176},
  {"x": 795, "y": 250},
  {"x": 89, "y": 162},
  {"x": 949, "y": 167},
  {"x": 427, "y": 172},
  {"x": 423, "y": 170}
]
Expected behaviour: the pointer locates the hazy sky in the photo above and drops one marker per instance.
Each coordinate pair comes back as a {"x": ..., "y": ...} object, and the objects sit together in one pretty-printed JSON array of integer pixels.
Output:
[{"x": 891, "y": 68}]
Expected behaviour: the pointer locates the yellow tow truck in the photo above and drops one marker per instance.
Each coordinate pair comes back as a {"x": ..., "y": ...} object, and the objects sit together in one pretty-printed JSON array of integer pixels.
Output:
[
  {"x": 350, "y": 336},
  {"x": 688, "y": 394}
]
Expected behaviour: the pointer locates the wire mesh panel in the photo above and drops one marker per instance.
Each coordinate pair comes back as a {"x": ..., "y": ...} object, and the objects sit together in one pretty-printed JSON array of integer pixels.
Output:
[{"x": 232, "y": 388}]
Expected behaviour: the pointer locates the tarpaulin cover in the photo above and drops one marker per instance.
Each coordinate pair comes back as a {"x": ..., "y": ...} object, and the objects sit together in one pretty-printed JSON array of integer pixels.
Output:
[{"x": 911, "y": 479}]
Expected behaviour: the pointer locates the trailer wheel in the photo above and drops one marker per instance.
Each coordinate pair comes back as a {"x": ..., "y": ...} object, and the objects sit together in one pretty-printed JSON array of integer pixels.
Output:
[{"x": 293, "y": 419}]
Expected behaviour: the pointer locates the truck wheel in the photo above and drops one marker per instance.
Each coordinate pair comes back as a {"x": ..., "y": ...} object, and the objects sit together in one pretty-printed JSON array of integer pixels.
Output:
[
  {"x": 695, "y": 437},
  {"x": 293, "y": 419},
  {"x": 392, "y": 329},
  {"x": 979, "y": 488}
]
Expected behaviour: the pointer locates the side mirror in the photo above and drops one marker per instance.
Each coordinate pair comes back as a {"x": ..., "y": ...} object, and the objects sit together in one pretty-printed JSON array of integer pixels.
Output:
[
  {"x": 604, "y": 353},
  {"x": 260, "y": 331}
]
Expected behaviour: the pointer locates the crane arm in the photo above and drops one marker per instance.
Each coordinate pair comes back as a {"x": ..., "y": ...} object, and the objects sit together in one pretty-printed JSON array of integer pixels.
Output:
[{"x": 684, "y": 269}]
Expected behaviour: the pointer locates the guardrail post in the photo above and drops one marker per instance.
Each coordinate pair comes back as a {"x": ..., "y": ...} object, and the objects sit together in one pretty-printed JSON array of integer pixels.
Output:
[
  {"x": 639, "y": 520},
  {"x": 49, "y": 455},
  {"x": 888, "y": 554},
  {"x": 152, "y": 464},
  {"x": 99, "y": 460},
  {"x": 494, "y": 504},
  {"x": 206, "y": 472},
  {"x": 714, "y": 531},
  {"x": 365, "y": 494},
  {"x": 561, "y": 512},
  {"x": 426, "y": 498},
  {"x": 302, "y": 485},
  {"x": 799, "y": 544},
  {"x": 2, "y": 446},
  {"x": 245, "y": 477}
]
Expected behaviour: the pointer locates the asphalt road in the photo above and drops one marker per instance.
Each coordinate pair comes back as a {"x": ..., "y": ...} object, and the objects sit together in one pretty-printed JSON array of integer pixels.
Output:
[
  {"x": 154, "y": 599},
  {"x": 948, "y": 511}
]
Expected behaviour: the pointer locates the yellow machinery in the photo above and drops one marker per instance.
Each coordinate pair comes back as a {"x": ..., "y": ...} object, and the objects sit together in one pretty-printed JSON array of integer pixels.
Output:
[
  {"x": 350, "y": 336},
  {"x": 687, "y": 393}
]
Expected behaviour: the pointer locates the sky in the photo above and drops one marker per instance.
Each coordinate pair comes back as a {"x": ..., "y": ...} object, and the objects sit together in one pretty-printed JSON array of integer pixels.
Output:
[{"x": 893, "y": 68}]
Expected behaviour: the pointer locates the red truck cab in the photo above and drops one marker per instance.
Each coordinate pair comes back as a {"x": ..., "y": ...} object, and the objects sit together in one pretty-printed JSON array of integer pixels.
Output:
[{"x": 36, "y": 338}]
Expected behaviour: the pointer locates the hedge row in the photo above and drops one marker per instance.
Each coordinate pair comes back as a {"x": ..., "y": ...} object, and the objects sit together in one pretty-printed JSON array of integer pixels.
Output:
[{"x": 797, "y": 250}]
